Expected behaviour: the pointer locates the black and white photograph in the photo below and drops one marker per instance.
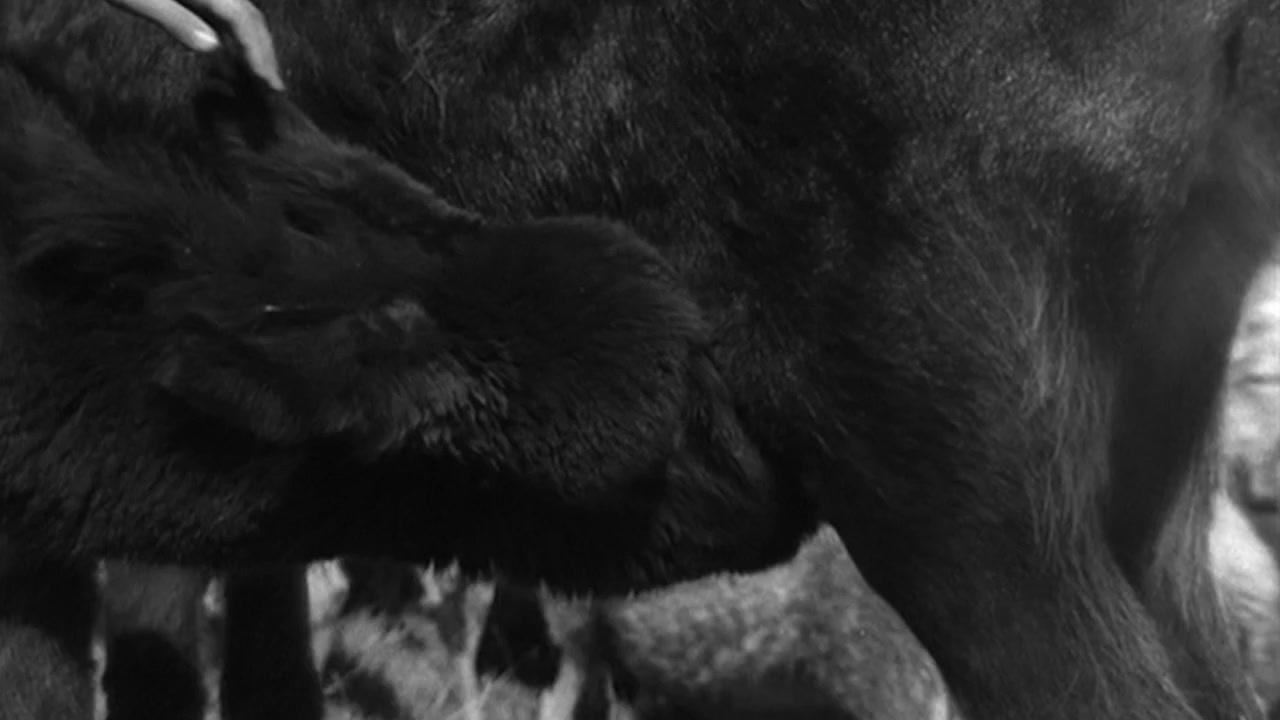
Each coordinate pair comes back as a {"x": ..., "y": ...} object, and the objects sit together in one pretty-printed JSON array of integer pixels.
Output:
[{"x": 639, "y": 359}]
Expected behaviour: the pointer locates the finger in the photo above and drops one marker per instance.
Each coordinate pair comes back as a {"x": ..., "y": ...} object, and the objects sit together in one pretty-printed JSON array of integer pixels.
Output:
[
  {"x": 178, "y": 21},
  {"x": 250, "y": 28}
]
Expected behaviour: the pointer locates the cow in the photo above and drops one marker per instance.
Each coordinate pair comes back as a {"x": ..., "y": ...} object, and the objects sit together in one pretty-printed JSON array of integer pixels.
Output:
[
  {"x": 957, "y": 277},
  {"x": 220, "y": 464}
]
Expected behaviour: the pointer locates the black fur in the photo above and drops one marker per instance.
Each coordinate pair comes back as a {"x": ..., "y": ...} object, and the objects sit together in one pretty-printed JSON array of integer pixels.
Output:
[
  {"x": 268, "y": 672},
  {"x": 961, "y": 274},
  {"x": 313, "y": 343},
  {"x": 146, "y": 679},
  {"x": 515, "y": 642}
]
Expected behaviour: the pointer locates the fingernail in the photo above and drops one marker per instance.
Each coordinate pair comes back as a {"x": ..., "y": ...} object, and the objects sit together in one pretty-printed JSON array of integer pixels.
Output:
[{"x": 204, "y": 41}]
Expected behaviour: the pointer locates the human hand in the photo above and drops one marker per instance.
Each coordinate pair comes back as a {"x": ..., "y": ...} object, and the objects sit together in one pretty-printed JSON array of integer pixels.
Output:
[{"x": 246, "y": 22}]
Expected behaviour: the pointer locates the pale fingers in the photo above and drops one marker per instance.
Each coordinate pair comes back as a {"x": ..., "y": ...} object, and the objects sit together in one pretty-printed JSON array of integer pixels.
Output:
[
  {"x": 244, "y": 20},
  {"x": 250, "y": 28},
  {"x": 177, "y": 20}
]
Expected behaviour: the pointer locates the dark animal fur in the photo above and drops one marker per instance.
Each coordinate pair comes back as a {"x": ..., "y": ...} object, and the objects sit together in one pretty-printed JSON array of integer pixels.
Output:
[
  {"x": 268, "y": 672},
  {"x": 957, "y": 271},
  {"x": 308, "y": 322}
]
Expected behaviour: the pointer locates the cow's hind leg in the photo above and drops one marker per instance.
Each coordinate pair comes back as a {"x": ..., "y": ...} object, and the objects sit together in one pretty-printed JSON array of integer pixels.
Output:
[
  {"x": 1017, "y": 598},
  {"x": 1030, "y": 439},
  {"x": 973, "y": 494}
]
